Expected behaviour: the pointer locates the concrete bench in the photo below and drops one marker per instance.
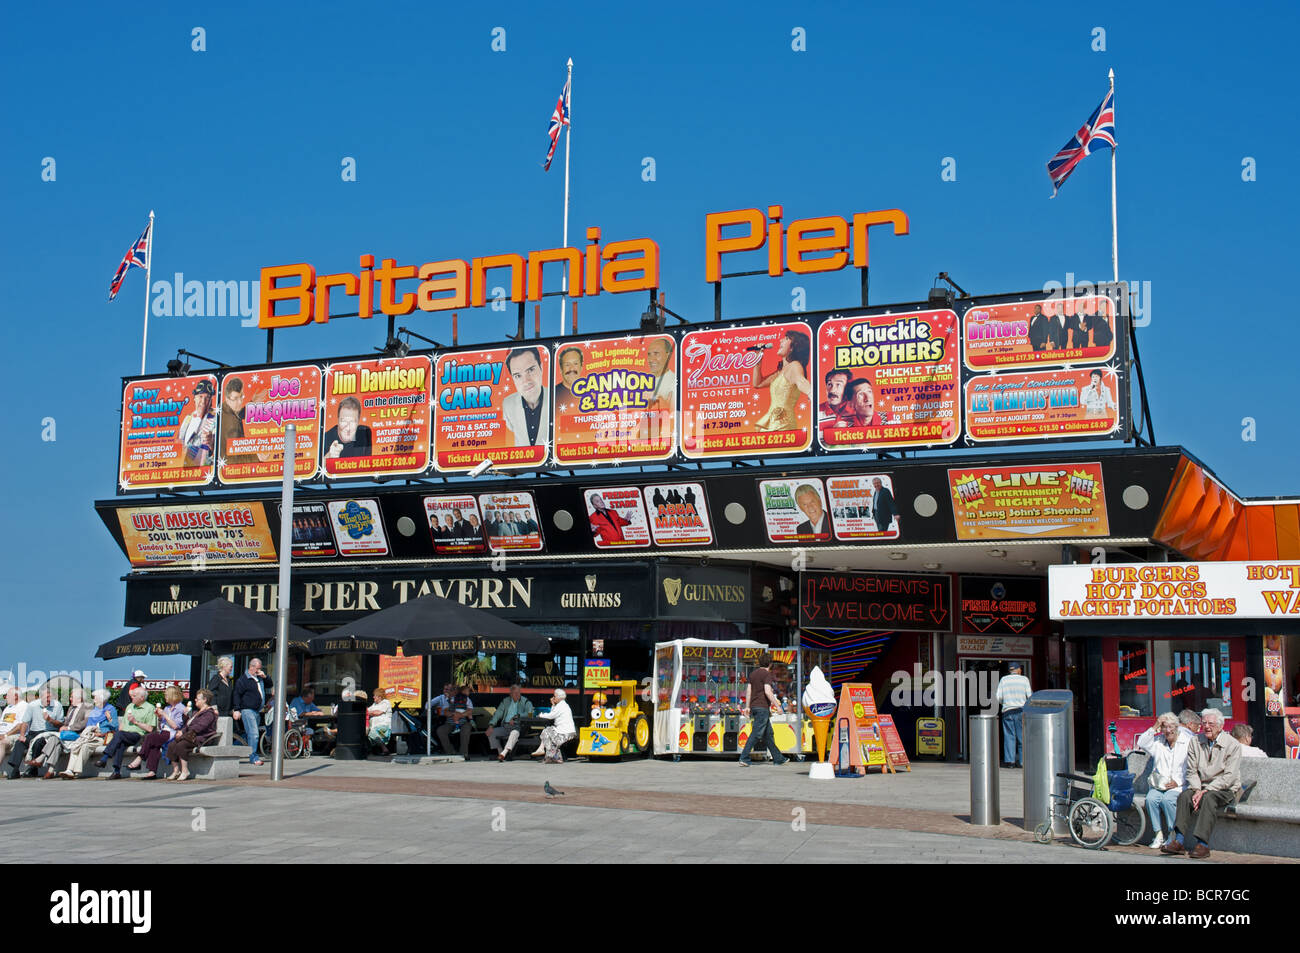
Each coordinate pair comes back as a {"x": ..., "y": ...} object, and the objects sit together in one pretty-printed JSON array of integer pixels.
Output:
[
  {"x": 1265, "y": 820},
  {"x": 219, "y": 760}
]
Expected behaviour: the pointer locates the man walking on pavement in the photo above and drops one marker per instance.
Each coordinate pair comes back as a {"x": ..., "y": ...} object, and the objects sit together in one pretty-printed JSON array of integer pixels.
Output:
[
  {"x": 1013, "y": 691},
  {"x": 759, "y": 702}
]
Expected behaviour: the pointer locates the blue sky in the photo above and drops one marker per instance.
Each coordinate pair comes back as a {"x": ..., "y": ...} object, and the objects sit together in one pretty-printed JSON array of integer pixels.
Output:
[{"x": 238, "y": 149}]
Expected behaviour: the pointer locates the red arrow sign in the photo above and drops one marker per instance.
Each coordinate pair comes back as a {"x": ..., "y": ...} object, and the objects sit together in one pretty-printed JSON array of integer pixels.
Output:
[{"x": 938, "y": 613}]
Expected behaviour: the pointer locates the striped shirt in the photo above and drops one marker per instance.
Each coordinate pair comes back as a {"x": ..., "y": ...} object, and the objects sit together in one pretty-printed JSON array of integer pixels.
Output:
[{"x": 1013, "y": 692}]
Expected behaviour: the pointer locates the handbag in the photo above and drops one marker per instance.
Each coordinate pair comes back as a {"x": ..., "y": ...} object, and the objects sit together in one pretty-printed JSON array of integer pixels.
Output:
[{"x": 66, "y": 735}]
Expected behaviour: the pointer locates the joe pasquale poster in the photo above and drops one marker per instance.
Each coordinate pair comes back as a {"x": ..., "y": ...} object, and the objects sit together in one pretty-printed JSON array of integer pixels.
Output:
[
  {"x": 255, "y": 408},
  {"x": 747, "y": 391},
  {"x": 1033, "y": 501},
  {"x": 492, "y": 405},
  {"x": 615, "y": 399},
  {"x": 376, "y": 417},
  {"x": 169, "y": 432}
]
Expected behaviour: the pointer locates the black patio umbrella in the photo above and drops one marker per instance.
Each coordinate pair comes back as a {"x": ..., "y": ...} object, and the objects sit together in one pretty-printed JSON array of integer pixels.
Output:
[
  {"x": 431, "y": 625},
  {"x": 217, "y": 624}
]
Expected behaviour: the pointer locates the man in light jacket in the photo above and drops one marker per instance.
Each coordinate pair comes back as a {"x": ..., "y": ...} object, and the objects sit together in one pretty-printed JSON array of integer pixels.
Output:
[{"x": 1213, "y": 781}]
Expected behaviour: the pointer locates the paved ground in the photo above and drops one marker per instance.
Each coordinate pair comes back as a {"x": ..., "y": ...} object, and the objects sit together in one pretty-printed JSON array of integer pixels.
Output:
[{"x": 657, "y": 811}]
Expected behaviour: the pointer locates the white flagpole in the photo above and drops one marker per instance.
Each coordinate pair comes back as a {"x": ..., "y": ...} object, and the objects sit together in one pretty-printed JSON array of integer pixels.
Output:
[
  {"x": 148, "y": 267},
  {"x": 1114, "y": 226},
  {"x": 568, "y": 138}
]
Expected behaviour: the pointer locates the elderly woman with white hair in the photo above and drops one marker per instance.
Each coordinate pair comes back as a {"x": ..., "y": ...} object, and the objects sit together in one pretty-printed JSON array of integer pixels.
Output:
[
  {"x": 555, "y": 736},
  {"x": 101, "y": 722},
  {"x": 1167, "y": 747}
]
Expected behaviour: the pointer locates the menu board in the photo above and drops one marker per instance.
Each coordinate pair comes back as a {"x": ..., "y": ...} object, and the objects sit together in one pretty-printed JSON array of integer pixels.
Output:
[
  {"x": 376, "y": 417},
  {"x": 202, "y": 533},
  {"x": 510, "y": 521},
  {"x": 1041, "y": 501},
  {"x": 617, "y": 517},
  {"x": 492, "y": 405},
  {"x": 893, "y": 743},
  {"x": 795, "y": 510},
  {"x": 615, "y": 399},
  {"x": 358, "y": 527},
  {"x": 402, "y": 679},
  {"x": 889, "y": 380},
  {"x": 1033, "y": 333},
  {"x": 863, "y": 507},
  {"x": 1051, "y": 402},
  {"x": 747, "y": 390},
  {"x": 255, "y": 408},
  {"x": 455, "y": 525},
  {"x": 312, "y": 535},
  {"x": 679, "y": 515},
  {"x": 169, "y": 432}
]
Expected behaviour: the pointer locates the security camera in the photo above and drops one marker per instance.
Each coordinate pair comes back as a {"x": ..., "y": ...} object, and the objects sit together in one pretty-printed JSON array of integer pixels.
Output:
[{"x": 480, "y": 468}]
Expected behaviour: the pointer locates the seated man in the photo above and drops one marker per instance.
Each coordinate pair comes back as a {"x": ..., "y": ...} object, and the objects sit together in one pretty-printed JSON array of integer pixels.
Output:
[
  {"x": 380, "y": 715},
  {"x": 506, "y": 721},
  {"x": 1213, "y": 781},
  {"x": 1245, "y": 735},
  {"x": 140, "y": 719},
  {"x": 321, "y": 739},
  {"x": 13, "y": 725},
  {"x": 458, "y": 711}
]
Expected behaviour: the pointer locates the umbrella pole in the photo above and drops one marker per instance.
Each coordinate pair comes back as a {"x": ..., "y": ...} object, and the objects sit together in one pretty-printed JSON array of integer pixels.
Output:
[{"x": 282, "y": 613}]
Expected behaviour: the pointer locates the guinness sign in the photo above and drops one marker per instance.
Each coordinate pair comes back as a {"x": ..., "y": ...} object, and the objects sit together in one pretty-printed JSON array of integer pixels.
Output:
[
  {"x": 591, "y": 599},
  {"x": 704, "y": 592}
]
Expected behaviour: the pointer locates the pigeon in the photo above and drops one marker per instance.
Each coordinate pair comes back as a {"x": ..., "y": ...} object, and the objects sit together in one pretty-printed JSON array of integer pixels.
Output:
[{"x": 550, "y": 791}]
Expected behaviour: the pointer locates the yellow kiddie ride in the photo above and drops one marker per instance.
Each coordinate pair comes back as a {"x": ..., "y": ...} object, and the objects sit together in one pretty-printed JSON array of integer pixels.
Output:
[{"x": 616, "y": 729}]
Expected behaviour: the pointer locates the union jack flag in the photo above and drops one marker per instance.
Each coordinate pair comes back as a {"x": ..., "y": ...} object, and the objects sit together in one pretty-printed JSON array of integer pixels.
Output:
[
  {"x": 559, "y": 119},
  {"x": 137, "y": 255},
  {"x": 1097, "y": 133}
]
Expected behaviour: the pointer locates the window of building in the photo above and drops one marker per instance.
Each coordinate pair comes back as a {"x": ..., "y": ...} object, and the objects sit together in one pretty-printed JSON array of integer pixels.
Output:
[
  {"x": 1135, "y": 680},
  {"x": 1192, "y": 674}
]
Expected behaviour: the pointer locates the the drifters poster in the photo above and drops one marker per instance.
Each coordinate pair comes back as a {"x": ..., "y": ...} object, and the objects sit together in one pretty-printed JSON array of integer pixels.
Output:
[
  {"x": 747, "y": 391},
  {"x": 795, "y": 511},
  {"x": 615, "y": 399},
  {"x": 889, "y": 380},
  {"x": 1043, "y": 403},
  {"x": 255, "y": 407},
  {"x": 617, "y": 517},
  {"x": 1031, "y": 334},
  {"x": 169, "y": 432},
  {"x": 679, "y": 515},
  {"x": 455, "y": 525},
  {"x": 510, "y": 521},
  {"x": 376, "y": 417},
  {"x": 358, "y": 527},
  {"x": 863, "y": 507},
  {"x": 492, "y": 405}
]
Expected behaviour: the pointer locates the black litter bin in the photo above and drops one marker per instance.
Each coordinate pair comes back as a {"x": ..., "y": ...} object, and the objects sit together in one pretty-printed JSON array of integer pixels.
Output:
[{"x": 351, "y": 742}]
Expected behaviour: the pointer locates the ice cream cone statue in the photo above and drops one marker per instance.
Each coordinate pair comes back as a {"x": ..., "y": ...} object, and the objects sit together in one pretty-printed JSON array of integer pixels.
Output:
[{"x": 819, "y": 705}]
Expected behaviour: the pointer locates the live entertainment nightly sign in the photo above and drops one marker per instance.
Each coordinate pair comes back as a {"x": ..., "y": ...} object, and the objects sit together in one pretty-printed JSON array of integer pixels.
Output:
[{"x": 892, "y": 601}]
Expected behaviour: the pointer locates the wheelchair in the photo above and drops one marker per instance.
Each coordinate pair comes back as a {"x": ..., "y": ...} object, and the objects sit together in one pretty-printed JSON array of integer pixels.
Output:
[{"x": 296, "y": 740}]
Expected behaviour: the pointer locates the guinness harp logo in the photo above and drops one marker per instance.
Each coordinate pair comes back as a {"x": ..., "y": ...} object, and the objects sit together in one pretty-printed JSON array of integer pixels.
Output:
[
  {"x": 591, "y": 582},
  {"x": 673, "y": 590},
  {"x": 176, "y": 593}
]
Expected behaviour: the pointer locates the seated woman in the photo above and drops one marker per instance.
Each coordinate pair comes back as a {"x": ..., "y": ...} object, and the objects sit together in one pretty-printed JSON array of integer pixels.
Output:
[
  {"x": 200, "y": 728},
  {"x": 380, "y": 716},
  {"x": 101, "y": 723},
  {"x": 74, "y": 723},
  {"x": 1168, "y": 747},
  {"x": 152, "y": 748},
  {"x": 557, "y": 735}
]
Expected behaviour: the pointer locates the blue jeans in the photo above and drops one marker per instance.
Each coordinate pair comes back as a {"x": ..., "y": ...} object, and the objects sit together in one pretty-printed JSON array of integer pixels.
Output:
[
  {"x": 1013, "y": 748},
  {"x": 250, "y": 726},
  {"x": 762, "y": 728},
  {"x": 1162, "y": 804}
]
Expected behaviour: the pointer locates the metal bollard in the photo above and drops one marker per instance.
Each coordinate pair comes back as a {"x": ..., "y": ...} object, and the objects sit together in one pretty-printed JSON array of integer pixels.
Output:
[{"x": 985, "y": 801}]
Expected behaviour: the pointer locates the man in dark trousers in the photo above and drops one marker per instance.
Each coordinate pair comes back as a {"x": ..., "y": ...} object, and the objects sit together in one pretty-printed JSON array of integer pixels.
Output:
[
  {"x": 759, "y": 702},
  {"x": 1038, "y": 328},
  {"x": 248, "y": 703},
  {"x": 882, "y": 505},
  {"x": 1213, "y": 781}
]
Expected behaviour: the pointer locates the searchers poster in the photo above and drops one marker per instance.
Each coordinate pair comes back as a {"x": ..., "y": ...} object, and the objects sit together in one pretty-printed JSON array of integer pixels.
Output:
[
  {"x": 510, "y": 521},
  {"x": 169, "y": 432},
  {"x": 255, "y": 407},
  {"x": 863, "y": 507},
  {"x": 199, "y": 534},
  {"x": 377, "y": 417},
  {"x": 795, "y": 510},
  {"x": 889, "y": 380},
  {"x": 747, "y": 391},
  {"x": 617, "y": 517},
  {"x": 1044, "y": 403},
  {"x": 1034, "y": 501},
  {"x": 615, "y": 399},
  {"x": 1033, "y": 333},
  {"x": 679, "y": 515},
  {"x": 492, "y": 405},
  {"x": 358, "y": 527},
  {"x": 455, "y": 525}
]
